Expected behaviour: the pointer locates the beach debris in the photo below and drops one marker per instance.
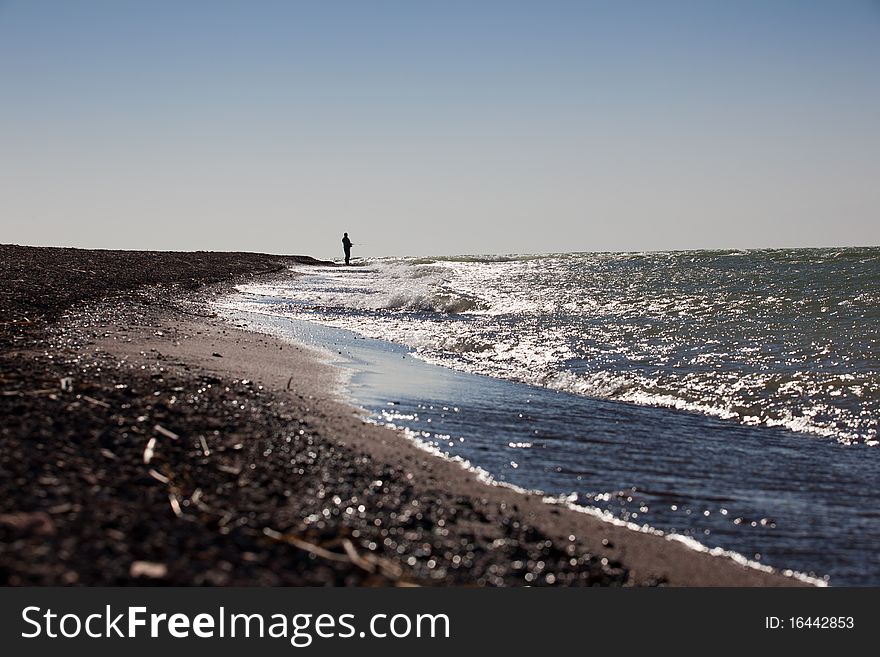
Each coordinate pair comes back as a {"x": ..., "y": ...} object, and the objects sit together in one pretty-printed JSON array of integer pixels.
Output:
[
  {"x": 106, "y": 453},
  {"x": 35, "y": 522},
  {"x": 302, "y": 544},
  {"x": 42, "y": 391},
  {"x": 115, "y": 534},
  {"x": 95, "y": 402},
  {"x": 66, "y": 384},
  {"x": 196, "y": 500},
  {"x": 368, "y": 562},
  {"x": 64, "y": 507},
  {"x": 165, "y": 432},
  {"x": 16, "y": 321},
  {"x": 205, "y": 450},
  {"x": 158, "y": 476},
  {"x": 356, "y": 558},
  {"x": 175, "y": 504},
  {"x": 217, "y": 355},
  {"x": 149, "y": 450},
  {"x": 148, "y": 569}
]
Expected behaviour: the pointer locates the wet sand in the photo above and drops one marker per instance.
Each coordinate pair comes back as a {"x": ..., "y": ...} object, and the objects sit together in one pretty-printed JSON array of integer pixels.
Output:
[{"x": 146, "y": 441}]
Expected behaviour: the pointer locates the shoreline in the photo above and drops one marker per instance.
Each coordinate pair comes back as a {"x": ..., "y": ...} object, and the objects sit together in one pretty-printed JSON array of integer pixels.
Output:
[
  {"x": 348, "y": 366},
  {"x": 183, "y": 450}
]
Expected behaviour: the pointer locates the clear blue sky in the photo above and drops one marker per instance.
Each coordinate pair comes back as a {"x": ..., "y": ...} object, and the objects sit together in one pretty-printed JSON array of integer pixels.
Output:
[{"x": 440, "y": 127}]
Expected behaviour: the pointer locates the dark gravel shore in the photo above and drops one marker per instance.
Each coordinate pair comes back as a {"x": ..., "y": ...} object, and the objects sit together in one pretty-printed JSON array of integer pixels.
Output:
[
  {"x": 81, "y": 506},
  {"x": 153, "y": 469},
  {"x": 38, "y": 283}
]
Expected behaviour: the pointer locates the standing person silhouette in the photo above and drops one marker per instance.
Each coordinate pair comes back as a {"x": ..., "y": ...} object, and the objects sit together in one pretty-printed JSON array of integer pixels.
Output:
[{"x": 346, "y": 246}]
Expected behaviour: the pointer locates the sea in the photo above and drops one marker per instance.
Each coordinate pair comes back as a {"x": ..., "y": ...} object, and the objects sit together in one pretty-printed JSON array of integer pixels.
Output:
[{"x": 727, "y": 398}]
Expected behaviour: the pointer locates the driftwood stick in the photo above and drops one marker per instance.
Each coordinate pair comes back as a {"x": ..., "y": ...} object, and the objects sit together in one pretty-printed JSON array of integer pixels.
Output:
[
  {"x": 95, "y": 402},
  {"x": 165, "y": 432},
  {"x": 149, "y": 451}
]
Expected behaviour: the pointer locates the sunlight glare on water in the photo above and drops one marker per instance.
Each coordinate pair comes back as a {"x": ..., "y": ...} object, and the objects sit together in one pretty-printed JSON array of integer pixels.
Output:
[{"x": 775, "y": 337}]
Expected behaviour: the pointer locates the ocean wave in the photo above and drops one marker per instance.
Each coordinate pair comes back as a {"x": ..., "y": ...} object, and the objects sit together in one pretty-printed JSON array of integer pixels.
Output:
[
  {"x": 435, "y": 303},
  {"x": 480, "y": 259},
  {"x": 379, "y": 287},
  {"x": 643, "y": 391},
  {"x": 779, "y": 342}
]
